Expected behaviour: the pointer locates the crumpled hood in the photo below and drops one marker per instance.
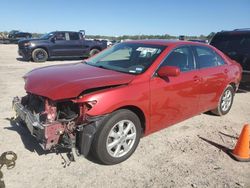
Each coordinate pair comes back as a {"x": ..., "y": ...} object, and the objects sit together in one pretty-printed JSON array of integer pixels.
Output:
[{"x": 68, "y": 81}]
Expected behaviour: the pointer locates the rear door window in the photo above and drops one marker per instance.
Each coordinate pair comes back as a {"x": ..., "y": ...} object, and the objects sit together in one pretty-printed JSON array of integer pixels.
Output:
[
  {"x": 74, "y": 36},
  {"x": 206, "y": 57}
]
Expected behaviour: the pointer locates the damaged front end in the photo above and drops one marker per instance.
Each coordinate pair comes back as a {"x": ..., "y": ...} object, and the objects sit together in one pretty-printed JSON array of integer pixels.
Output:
[{"x": 57, "y": 124}]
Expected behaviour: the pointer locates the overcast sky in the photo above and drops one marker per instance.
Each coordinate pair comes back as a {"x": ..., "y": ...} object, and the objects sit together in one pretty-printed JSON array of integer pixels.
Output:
[{"x": 128, "y": 17}]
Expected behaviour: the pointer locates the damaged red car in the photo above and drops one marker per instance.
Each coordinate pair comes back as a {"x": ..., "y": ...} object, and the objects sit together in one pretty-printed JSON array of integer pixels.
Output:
[{"x": 106, "y": 103}]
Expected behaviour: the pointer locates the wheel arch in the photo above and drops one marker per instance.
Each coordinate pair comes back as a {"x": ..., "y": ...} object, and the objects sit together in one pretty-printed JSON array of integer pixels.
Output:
[
  {"x": 233, "y": 85},
  {"x": 42, "y": 47},
  {"x": 139, "y": 113},
  {"x": 96, "y": 47}
]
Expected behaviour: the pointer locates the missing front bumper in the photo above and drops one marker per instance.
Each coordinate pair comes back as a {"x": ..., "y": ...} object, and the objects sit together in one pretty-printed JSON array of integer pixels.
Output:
[{"x": 48, "y": 135}]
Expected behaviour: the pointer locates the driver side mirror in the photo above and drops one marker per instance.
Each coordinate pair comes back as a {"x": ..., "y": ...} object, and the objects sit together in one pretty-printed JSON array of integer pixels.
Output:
[{"x": 167, "y": 71}]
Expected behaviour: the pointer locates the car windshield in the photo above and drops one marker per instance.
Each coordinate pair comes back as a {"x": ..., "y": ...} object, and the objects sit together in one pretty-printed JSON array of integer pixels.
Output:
[
  {"x": 13, "y": 31},
  {"x": 132, "y": 58},
  {"x": 47, "y": 35}
]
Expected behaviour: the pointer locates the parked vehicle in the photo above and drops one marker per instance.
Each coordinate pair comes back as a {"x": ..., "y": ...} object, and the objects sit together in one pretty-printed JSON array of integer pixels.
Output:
[
  {"x": 182, "y": 37},
  {"x": 235, "y": 44},
  {"x": 3, "y": 38},
  {"x": 59, "y": 44},
  {"x": 15, "y": 34},
  {"x": 132, "y": 89},
  {"x": 198, "y": 40}
]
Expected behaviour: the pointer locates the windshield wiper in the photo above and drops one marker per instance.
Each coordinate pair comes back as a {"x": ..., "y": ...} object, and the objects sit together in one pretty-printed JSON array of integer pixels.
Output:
[
  {"x": 91, "y": 64},
  {"x": 102, "y": 67}
]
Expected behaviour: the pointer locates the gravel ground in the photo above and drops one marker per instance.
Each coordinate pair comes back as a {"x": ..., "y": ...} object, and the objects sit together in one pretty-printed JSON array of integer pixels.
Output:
[{"x": 189, "y": 154}]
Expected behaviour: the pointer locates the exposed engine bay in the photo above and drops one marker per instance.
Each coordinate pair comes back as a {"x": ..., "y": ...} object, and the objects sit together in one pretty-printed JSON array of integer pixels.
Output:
[
  {"x": 56, "y": 124},
  {"x": 49, "y": 111}
]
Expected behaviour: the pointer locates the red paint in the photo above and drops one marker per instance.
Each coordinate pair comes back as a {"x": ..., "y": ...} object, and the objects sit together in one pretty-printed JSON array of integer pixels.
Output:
[
  {"x": 168, "y": 71},
  {"x": 163, "y": 101},
  {"x": 68, "y": 81},
  {"x": 52, "y": 134}
]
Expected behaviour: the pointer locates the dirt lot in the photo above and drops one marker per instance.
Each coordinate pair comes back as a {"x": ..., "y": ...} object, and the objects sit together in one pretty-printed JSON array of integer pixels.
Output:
[{"x": 181, "y": 156}]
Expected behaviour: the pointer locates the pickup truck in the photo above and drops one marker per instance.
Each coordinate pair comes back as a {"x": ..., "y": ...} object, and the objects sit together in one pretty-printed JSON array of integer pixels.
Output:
[
  {"x": 59, "y": 44},
  {"x": 15, "y": 34},
  {"x": 13, "y": 37}
]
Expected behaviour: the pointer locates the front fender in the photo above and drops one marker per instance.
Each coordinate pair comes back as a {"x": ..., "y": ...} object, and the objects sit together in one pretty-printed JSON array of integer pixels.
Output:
[{"x": 112, "y": 99}]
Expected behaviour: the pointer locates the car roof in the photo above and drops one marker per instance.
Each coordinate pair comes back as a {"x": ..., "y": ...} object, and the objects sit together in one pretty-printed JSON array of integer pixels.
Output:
[
  {"x": 164, "y": 42},
  {"x": 236, "y": 31},
  {"x": 65, "y": 31}
]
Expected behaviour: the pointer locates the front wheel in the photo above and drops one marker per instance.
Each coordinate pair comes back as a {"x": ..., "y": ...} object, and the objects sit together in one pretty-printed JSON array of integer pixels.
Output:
[
  {"x": 39, "y": 55},
  {"x": 225, "y": 102},
  {"x": 93, "y": 52},
  {"x": 117, "y": 138}
]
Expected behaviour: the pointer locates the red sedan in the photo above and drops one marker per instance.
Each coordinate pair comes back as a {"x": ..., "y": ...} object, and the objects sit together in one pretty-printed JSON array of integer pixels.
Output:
[{"x": 108, "y": 102}]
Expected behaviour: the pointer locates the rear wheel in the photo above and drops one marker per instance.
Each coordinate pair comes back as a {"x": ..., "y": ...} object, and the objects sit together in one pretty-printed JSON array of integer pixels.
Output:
[
  {"x": 39, "y": 55},
  {"x": 117, "y": 138},
  {"x": 225, "y": 102}
]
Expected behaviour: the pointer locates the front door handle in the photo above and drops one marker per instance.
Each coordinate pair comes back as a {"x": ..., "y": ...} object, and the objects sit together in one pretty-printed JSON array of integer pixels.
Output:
[{"x": 196, "y": 79}]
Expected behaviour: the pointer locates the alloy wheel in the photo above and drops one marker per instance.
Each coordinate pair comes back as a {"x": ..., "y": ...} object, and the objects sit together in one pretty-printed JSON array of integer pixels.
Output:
[
  {"x": 121, "y": 138},
  {"x": 226, "y": 100}
]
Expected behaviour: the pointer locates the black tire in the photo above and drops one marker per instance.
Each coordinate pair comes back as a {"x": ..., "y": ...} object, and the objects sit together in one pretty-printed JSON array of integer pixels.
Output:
[
  {"x": 225, "y": 102},
  {"x": 103, "y": 138},
  {"x": 39, "y": 55},
  {"x": 93, "y": 52}
]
